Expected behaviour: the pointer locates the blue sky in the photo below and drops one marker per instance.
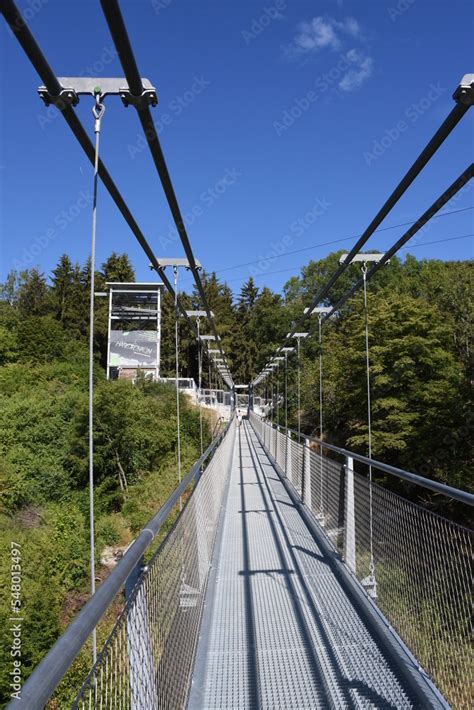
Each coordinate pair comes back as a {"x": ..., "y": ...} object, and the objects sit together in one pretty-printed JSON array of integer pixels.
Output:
[{"x": 285, "y": 126}]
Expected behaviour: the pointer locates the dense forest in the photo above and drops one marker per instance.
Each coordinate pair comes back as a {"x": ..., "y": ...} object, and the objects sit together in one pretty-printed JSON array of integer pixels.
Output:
[{"x": 420, "y": 328}]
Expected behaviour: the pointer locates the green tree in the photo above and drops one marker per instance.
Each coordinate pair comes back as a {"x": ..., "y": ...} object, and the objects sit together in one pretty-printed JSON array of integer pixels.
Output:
[
  {"x": 248, "y": 296},
  {"x": 33, "y": 295},
  {"x": 62, "y": 288},
  {"x": 118, "y": 268},
  {"x": 9, "y": 289}
]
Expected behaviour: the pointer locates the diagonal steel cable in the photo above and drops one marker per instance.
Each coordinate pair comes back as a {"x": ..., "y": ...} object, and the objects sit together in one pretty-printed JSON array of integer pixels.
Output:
[
  {"x": 118, "y": 30},
  {"x": 32, "y": 50}
]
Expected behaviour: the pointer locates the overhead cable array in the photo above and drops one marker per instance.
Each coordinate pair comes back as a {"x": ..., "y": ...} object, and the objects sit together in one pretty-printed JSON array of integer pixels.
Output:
[
  {"x": 273, "y": 257},
  {"x": 54, "y": 88},
  {"x": 119, "y": 33},
  {"x": 464, "y": 97}
]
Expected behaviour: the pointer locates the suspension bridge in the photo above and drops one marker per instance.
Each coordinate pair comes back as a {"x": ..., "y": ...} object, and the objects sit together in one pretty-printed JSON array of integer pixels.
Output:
[{"x": 293, "y": 576}]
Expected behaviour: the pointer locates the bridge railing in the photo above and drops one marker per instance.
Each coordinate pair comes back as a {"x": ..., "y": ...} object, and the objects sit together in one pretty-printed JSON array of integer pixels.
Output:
[
  {"x": 146, "y": 661},
  {"x": 412, "y": 562}
]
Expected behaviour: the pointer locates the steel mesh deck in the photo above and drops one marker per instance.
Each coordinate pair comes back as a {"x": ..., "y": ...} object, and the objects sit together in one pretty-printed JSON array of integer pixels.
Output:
[{"x": 278, "y": 630}]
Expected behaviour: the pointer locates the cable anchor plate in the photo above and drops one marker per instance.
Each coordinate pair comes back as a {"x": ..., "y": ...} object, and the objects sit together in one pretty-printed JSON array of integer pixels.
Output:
[{"x": 74, "y": 87}]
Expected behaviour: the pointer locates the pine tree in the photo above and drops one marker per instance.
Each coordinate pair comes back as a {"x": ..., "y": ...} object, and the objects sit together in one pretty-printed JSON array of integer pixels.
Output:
[
  {"x": 117, "y": 268},
  {"x": 248, "y": 296},
  {"x": 62, "y": 283},
  {"x": 33, "y": 295}
]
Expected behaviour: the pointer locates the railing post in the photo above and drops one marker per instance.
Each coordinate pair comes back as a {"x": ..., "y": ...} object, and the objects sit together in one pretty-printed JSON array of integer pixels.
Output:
[
  {"x": 349, "y": 532},
  {"x": 288, "y": 471},
  {"x": 277, "y": 431},
  {"x": 306, "y": 474}
]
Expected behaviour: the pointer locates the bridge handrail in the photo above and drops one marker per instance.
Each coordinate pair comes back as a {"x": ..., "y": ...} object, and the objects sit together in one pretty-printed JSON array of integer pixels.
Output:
[
  {"x": 415, "y": 478},
  {"x": 411, "y": 562},
  {"x": 47, "y": 675}
]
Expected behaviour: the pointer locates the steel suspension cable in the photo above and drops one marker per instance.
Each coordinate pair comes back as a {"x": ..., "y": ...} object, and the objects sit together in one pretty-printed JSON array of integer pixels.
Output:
[
  {"x": 176, "y": 348},
  {"x": 447, "y": 195},
  {"x": 369, "y": 425},
  {"x": 98, "y": 111},
  {"x": 198, "y": 323},
  {"x": 285, "y": 254},
  {"x": 118, "y": 30},
  {"x": 278, "y": 396},
  {"x": 287, "y": 443},
  {"x": 32, "y": 50},
  {"x": 320, "y": 340},
  {"x": 299, "y": 388},
  {"x": 427, "y": 153}
]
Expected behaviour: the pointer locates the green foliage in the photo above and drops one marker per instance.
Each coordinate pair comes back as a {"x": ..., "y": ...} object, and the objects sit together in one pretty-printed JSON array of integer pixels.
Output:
[
  {"x": 33, "y": 298},
  {"x": 8, "y": 346},
  {"x": 44, "y": 456},
  {"x": 419, "y": 328},
  {"x": 420, "y": 332},
  {"x": 118, "y": 268}
]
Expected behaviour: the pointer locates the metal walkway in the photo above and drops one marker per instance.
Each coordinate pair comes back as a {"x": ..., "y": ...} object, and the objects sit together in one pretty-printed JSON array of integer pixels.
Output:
[{"x": 278, "y": 630}]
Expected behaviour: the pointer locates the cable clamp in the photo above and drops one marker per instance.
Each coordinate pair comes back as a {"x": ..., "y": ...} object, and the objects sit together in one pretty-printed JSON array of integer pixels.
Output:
[
  {"x": 148, "y": 97},
  {"x": 65, "y": 98},
  {"x": 464, "y": 94},
  {"x": 98, "y": 111}
]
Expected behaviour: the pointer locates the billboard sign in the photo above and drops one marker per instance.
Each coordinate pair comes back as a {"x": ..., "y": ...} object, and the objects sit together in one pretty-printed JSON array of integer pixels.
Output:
[{"x": 133, "y": 348}]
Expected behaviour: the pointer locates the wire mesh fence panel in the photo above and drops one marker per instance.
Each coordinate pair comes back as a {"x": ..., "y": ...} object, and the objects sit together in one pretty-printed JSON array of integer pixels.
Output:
[
  {"x": 296, "y": 464},
  {"x": 258, "y": 424},
  {"x": 327, "y": 482},
  {"x": 422, "y": 565},
  {"x": 147, "y": 659},
  {"x": 275, "y": 443},
  {"x": 423, "y": 569},
  {"x": 281, "y": 450}
]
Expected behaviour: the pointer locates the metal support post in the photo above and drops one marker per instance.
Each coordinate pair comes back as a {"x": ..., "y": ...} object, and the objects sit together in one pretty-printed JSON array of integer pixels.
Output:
[
  {"x": 349, "y": 526},
  {"x": 307, "y": 474},
  {"x": 288, "y": 469}
]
